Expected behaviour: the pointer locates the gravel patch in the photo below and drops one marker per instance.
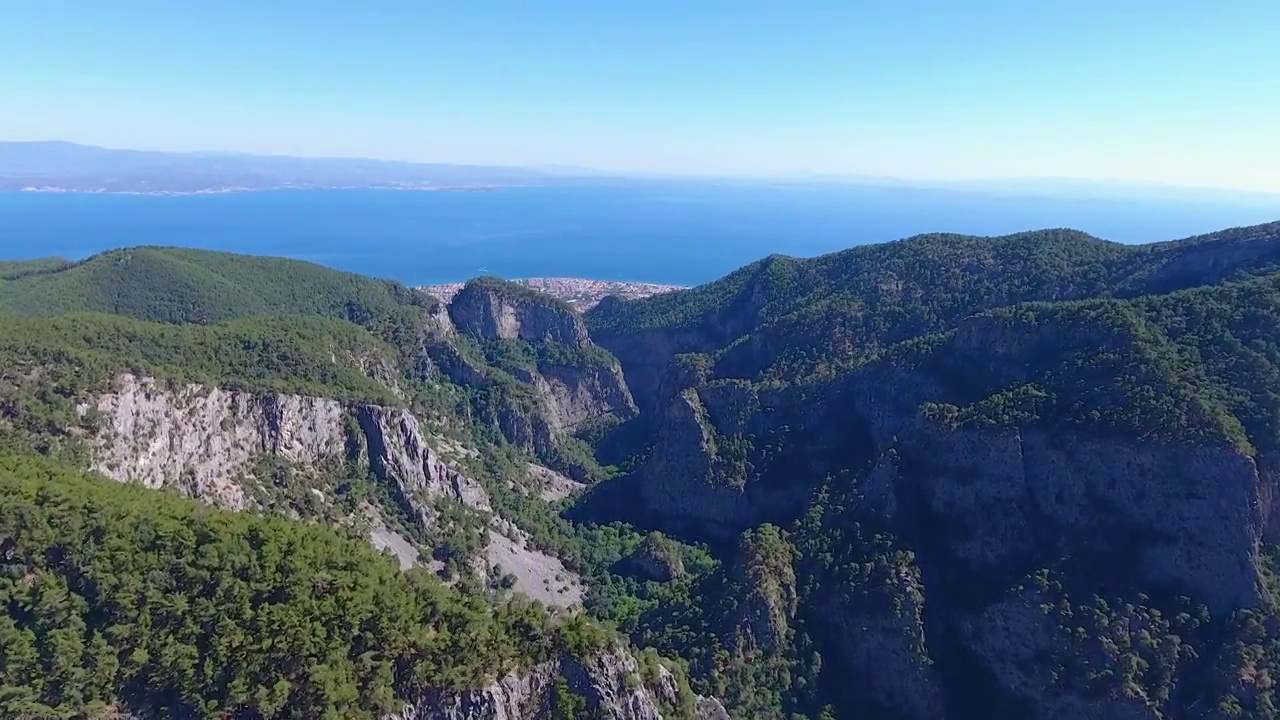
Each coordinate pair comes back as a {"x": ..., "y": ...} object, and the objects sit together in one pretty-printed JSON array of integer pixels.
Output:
[
  {"x": 538, "y": 575},
  {"x": 386, "y": 539}
]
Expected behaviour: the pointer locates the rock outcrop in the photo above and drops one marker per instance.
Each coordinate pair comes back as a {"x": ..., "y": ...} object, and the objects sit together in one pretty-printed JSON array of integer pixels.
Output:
[
  {"x": 549, "y": 484},
  {"x": 878, "y": 635},
  {"x": 398, "y": 452},
  {"x": 576, "y": 394},
  {"x": 494, "y": 309},
  {"x": 570, "y": 385},
  {"x": 206, "y": 440},
  {"x": 611, "y": 683}
]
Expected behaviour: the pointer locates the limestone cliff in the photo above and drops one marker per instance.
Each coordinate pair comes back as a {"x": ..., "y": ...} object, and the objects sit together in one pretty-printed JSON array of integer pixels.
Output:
[
  {"x": 398, "y": 452},
  {"x": 611, "y": 683},
  {"x": 206, "y": 440},
  {"x": 546, "y": 378},
  {"x": 211, "y": 443},
  {"x": 493, "y": 309}
]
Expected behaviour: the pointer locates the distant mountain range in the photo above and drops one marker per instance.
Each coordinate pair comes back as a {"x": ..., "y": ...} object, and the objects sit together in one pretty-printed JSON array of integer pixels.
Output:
[
  {"x": 57, "y": 166},
  {"x": 64, "y": 166}
]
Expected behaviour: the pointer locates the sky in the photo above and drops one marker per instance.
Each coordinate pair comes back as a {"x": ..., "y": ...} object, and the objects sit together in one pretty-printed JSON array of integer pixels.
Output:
[{"x": 1183, "y": 92}]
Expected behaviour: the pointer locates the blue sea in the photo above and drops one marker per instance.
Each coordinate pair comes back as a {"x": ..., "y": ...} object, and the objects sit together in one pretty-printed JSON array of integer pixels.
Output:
[{"x": 679, "y": 233}]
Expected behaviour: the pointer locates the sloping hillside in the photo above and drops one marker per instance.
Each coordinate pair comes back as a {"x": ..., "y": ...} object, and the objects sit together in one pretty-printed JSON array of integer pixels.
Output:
[
  {"x": 321, "y": 405},
  {"x": 786, "y": 319},
  {"x": 182, "y": 285},
  {"x": 1029, "y": 476},
  {"x": 949, "y": 477}
]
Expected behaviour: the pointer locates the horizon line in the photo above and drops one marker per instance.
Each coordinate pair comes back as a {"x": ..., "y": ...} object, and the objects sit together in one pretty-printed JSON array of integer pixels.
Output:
[{"x": 570, "y": 170}]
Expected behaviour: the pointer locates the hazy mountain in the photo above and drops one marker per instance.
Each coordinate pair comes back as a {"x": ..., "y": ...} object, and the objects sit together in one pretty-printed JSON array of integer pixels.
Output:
[
  {"x": 71, "y": 166},
  {"x": 57, "y": 165}
]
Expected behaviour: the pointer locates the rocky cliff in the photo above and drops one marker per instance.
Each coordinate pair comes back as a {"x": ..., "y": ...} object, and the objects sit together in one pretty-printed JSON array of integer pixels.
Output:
[
  {"x": 212, "y": 444},
  {"x": 206, "y": 440},
  {"x": 1076, "y": 441},
  {"x": 547, "y": 380},
  {"x": 612, "y": 684},
  {"x": 1187, "y": 516},
  {"x": 495, "y": 309}
]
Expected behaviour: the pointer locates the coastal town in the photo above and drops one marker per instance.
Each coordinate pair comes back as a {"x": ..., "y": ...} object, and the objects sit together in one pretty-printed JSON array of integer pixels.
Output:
[{"x": 581, "y": 293}]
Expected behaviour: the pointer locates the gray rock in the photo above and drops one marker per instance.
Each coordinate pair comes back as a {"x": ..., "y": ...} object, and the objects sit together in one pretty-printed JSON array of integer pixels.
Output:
[
  {"x": 493, "y": 310},
  {"x": 398, "y": 452},
  {"x": 609, "y": 681},
  {"x": 204, "y": 438}
]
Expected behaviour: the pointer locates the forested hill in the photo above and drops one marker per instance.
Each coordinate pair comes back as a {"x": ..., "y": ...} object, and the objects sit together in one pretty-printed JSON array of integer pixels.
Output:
[
  {"x": 947, "y": 477},
  {"x": 119, "y": 598},
  {"x": 1022, "y": 476},
  {"x": 334, "y": 411},
  {"x": 183, "y": 285},
  {"x": 787, "y": 318}
]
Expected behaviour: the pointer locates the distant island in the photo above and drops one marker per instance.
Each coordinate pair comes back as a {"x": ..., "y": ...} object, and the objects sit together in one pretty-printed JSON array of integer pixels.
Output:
[
  {"x": 582, "y": 294},
  {"x": 73, "y": 168}
]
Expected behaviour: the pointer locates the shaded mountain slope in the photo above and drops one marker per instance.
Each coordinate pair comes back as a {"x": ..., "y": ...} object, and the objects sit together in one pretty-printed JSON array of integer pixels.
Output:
[{"x": 1030, "y": 476}]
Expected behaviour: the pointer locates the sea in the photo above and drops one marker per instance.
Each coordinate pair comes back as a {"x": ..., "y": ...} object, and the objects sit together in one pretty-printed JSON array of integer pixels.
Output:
[{"x": 681, "y": 233}]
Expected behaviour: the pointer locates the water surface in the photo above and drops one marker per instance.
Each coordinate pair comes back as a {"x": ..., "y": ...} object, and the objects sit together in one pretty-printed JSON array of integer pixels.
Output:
[{"x": 681, "y": 233}]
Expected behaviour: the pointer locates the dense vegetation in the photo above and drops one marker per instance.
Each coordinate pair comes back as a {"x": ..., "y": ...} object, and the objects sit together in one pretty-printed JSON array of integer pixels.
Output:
[
  {"x": 47, "y": 365},
  {"x": 115, "y": 595},
  {"x": 787, "y": 319},
  {"x": 181, "y": 285},
  {"x": 301, "y": 354},
  {"x": 1195, "y": 365},
  {"x": 1173, "y": 343},
  {"x": 261, "y": 325},
  {"x": 17, "y": 269}
]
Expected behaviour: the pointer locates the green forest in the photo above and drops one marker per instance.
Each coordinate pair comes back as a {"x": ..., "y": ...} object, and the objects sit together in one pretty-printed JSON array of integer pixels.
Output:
[
  {"x": 812, "y": 592},
  {"x": 119, "y": 596}
]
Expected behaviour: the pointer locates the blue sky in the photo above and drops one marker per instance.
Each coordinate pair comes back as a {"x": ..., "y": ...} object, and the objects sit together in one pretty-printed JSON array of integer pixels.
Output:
[{"x": 1175, "y": 91}]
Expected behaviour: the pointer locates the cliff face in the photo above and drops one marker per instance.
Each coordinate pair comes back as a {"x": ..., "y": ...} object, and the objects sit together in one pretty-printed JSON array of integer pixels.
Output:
[
  {"x": 609, "y": 682},
  {"x": 562, "y": 382},
  {"x": 498, "y": 310},
  {"x": 1184, "y": 516},
  {"x": 945, "y": 624},
  {"x": 211, "y": 444},
  {"x": 206, "y": 441},
  {"x": 577, "y": 395},
  {"x": 397, "y": 451}
]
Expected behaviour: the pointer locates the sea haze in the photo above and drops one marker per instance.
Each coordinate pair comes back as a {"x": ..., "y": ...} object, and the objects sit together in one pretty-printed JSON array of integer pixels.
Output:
[{"x": 665, "y": 232}]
